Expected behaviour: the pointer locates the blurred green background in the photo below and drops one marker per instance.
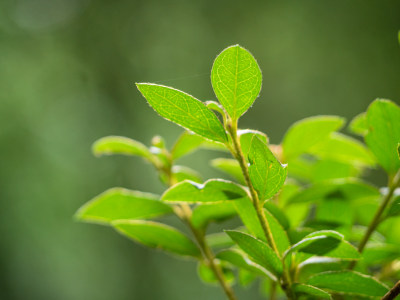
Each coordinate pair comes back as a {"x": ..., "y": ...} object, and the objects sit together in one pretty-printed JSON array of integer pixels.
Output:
[{"x": 67, "y": 73}]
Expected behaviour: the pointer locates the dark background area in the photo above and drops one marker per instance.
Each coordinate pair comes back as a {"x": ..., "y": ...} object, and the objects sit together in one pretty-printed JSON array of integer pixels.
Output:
[{"x": 67, "y": 73}]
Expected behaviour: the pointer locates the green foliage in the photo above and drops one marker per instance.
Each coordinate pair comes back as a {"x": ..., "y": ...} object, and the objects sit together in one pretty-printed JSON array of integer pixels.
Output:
[
  {"x": 383, "y": 120},
  {"x": 121, "y": 204},
  {"x": 212, "y": 190},
  {"x": 157, "y": 235},
  {"x": 296, "y": 225},
  {"x": 267, "y": 174},
  {"x": 258, "y": 251},
  {"x": 236, "y": 80},
  {"x": 348, "y": 282},
  {"x": 184, "y": 110}
]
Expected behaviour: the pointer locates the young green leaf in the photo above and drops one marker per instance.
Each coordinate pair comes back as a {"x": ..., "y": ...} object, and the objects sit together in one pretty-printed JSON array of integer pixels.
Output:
[
  {"x": 246, "y": 137},
  {"x": 186, "y": 143},
  {"x": 182, "y": 173},
  {"x": 359, "y": 124},
  {"x": 248, "y": 215},
  {"x": 383, "y": 119},
  {"x": 311, "y": 292},
  {"x": 308, "y": 132},
  {"x": 394, "y": 208},
  {"x": 238, "y": 259},
  {"x": 229, "y": 166},
  {"x": 157, "y": 235},
  {"x": 379, "y": 253},
  {"x": 349, "y": 188},
  {"x": 258, "y": 251},
  {"x": 212, "y": 190},
  {"x": 119, "y": 203},
  {"x": 219, "y": 240},
  {"x": 343, "y": 148},
  {"x": 278, "y": 214},
  {"x": 349, "y": 282},
  {"x": 204, "y": 214},
  {"x": 236, "y": 80},
  {"x": 184, "y": 110},
  {"x": 267, "y": 174},
  {"x": 278, "y": 233},
  {"x": 110, "y": 145},
  {"x": 317, "y": 243},
  {"x": 207, "y": 275}
]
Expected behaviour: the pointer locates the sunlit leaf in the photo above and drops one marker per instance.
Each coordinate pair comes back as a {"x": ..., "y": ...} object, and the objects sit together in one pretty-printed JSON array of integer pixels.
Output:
[
  {"x": 343, "y": 148},
  {"x": 278, "y": 233},
  {"x": 110, "y": 145},
  {"x": 212, "y": 190},
  {"x": 258, "y": 251},
  {"x": 359, "y": 124},
  {"x": 119, "y": 203},
  {"x": 311, "y": 292},
  {"x": 383, "y": 119},
  {"x": 238, "y": 259},
  {"x": 267, "y": 174},
  {"x": 349, "y": 282},
  {"x": 157, "y": 235},
  {"x": 204, "y": 214},
  {"x": 306, "y": 133},
  {"x": 248, "y": 215},
  {"x": 236, "y": 80},
  {"x": 182, "y": 173},
  {"x": 184, "y": 110},
  {"x": 207, "y": 275},
  {"x": 229, "y": 166}
]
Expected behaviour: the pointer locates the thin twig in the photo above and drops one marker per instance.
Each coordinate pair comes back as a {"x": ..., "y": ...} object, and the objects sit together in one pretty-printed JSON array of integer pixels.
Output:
[
  {"x": 393, "y": 293},
  {"x": 238, "y": 154},
  {"x": 393, "y": 184}
]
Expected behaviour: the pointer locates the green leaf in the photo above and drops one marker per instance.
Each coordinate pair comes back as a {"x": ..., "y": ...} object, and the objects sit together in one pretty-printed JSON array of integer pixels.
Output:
[
  {"x": 236, "y": 80},
  {"x": 350, "y": 189},
  {"x": 359, "y": 124},
  {"x": 279, "y": 234},
  {"x": 318, "y": 243},
  {"x": 343, "y": 148},
  {"x": 157, "y": 235},
  {"x": 229, "y": 166},
  {"x": 394, "y": 208},
  {"x": 383, "y": 119},
  {"x": 248, "y": 215},
  {"x": 119, "y": 203},
  {"x": 184, "y": 110},
  {"x": 258, "y": 251},
  {"x": 308, "y": 132},
  {"x": 186, "y": 143},
  {"x": 204, "y": 214},
  {"x": 207, "y": 275},
  {"x": 278, "y": 214},
  {"x": 110, "y": 145},
  {"x": 212, "y": 190},
  {"x": 238, "y": 259},
  {"x": 267, "y": 174},
  {"x": 344, "y": 251},
  {"x": 246, "y": 137},
  {"x": 378, "y": 253},
  {"x": 349, "y": 282},
  {"x": 219, "y": 240},
  {"x": 182, "y": 173},
  {"x": 311, "y": 292}
]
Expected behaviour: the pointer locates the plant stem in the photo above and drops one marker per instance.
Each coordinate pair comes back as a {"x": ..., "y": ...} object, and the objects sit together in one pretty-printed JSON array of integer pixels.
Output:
[
  {"x": 238, "y": 154},
  {"x": 393, "y": 293},
  {"x": 185, "y": 214},
  {"x": 393, "y": 184}
]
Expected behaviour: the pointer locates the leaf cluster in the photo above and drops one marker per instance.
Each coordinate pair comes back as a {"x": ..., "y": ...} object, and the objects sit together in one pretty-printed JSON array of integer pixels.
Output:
[{"x": 311, "y": 226}]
